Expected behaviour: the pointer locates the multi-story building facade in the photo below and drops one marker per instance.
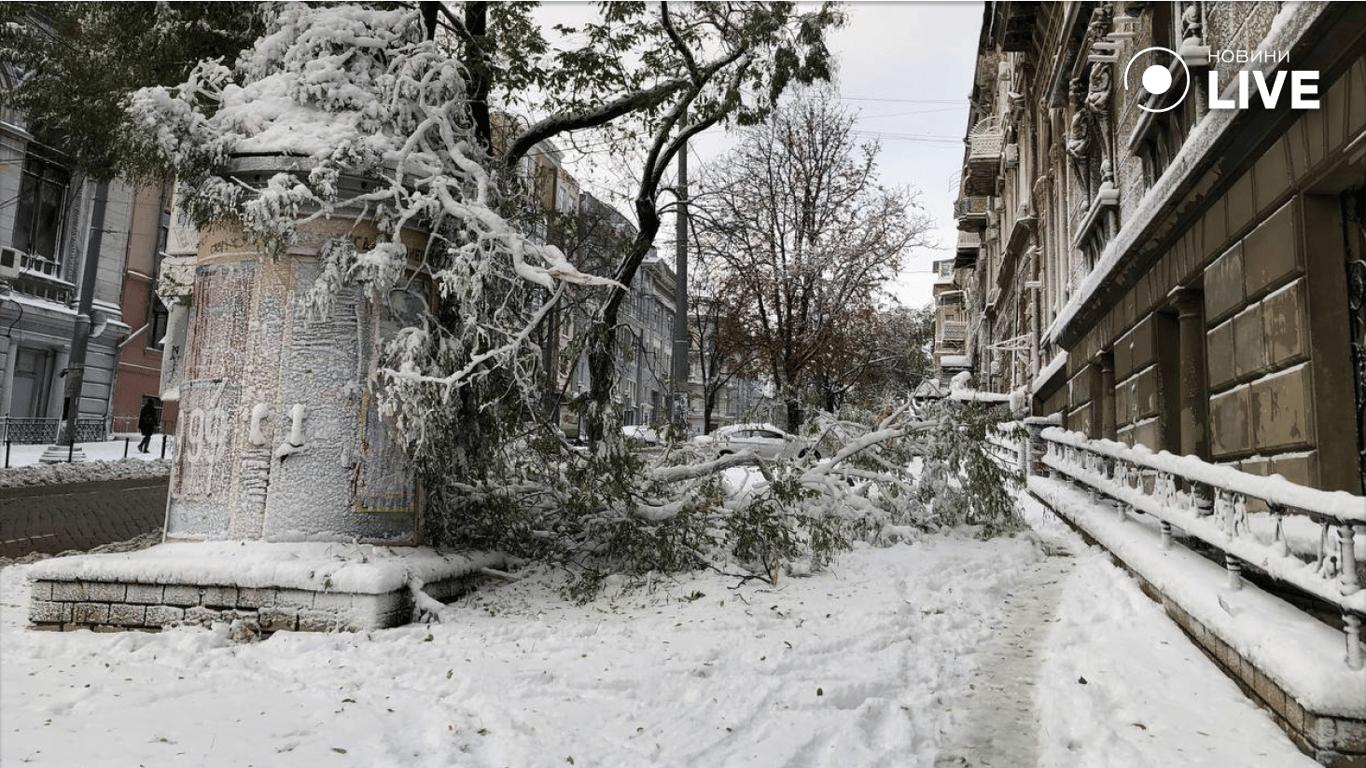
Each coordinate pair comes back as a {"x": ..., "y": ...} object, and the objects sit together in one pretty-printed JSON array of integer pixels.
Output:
[
  {"x": 1152, "y": 261},
  {"x": 45, "y": 238},
  {"x": 950, "y": 320},
  {"x": 593, "y": 236},
  {"x": 141, "y": 354}
]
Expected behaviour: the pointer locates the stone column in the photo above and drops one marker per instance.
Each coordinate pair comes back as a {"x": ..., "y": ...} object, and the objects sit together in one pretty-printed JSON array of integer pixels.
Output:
[
  {"x": 1107, "y": 397},
  {"x": 279, "y": 437},
  {"x": 1194, "y": 391}
]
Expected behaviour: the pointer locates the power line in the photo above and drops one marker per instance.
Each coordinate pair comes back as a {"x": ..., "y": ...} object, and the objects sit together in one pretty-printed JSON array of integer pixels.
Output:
[
  {"x": 907, "y": 101},
  {"x": 916, "y": 112}
]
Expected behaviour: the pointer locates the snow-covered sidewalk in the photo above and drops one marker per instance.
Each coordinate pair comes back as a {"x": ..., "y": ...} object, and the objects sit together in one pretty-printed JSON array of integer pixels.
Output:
[
  {"x": 105, "y": 460},
  {"x": 868, "y": 664}
]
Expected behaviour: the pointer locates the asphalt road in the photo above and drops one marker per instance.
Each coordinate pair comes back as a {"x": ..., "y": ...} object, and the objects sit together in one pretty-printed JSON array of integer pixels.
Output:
[{"x": 56, "y": 518}]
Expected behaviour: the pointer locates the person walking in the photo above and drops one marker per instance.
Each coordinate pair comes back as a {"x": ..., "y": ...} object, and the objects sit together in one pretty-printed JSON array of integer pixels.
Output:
[{"x": 147, "y": 423}]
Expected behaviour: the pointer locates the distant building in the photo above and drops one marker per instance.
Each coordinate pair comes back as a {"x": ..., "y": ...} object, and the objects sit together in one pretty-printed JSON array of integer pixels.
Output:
[{"x": 950, "y": 321}]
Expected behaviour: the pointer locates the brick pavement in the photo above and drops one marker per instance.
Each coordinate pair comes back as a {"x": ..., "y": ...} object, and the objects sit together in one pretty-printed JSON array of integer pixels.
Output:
[{"x": 56, "y": 518}]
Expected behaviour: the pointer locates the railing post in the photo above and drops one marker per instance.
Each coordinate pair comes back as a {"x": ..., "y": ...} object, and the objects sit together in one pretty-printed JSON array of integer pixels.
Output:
[
  {"x": 1278, "y": 543},
  {"x": 1235, "y": 572},
  {"x": 1166, "y": 535},
  {"x": 1353, "y": 629},
  {"x": 1203, "y": 496},
  {"x": 1351, "y": 583}
]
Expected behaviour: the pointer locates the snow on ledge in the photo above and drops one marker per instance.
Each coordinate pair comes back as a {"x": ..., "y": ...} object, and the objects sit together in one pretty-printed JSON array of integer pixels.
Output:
[
  {"x": 959, "y": 390},
  {"x": 316, "y": 566},
  {"x": 1048, "y": 371},
  {"x": 1302, "y": 655},
  {"x": 954, "y": 361}
]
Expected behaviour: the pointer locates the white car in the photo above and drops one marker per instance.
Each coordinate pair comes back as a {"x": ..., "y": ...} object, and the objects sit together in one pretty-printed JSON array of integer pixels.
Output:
[
  {"x": 642, "y": 434},
  {"x": 763, "y": 440}
]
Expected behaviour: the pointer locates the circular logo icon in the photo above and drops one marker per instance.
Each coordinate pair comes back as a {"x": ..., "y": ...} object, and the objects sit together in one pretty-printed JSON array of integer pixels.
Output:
[{"x": 1157, "y": 75}]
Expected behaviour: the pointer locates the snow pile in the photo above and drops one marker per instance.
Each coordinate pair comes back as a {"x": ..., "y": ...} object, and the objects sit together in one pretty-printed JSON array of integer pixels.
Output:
[
  {"x": 83, "y": 472},
  {"x": 863, "y": 664},
  {"x": 959, "y": 390}
]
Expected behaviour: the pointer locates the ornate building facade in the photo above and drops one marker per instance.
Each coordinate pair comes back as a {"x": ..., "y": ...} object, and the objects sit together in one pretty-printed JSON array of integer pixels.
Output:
[{"x": 1159, "y": 242}]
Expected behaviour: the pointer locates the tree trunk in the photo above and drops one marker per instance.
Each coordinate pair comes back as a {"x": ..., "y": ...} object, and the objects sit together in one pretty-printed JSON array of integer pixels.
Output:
[
  {"x": 477, "y": 62},
  {"x": 708, "y": 405},
  {"x": 794, "y": 414},
  {"x": 602, "y": 338}
]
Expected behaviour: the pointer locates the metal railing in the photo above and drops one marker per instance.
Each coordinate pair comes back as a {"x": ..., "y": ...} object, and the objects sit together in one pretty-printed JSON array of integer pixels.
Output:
[
  {"x": 38, "y": 430},
  {"x": 953, "y": 330},
  {"x": 986, "y": 140},
  {"x": 1008, "y": 444},
  {"x": 1216, "y": 505}
]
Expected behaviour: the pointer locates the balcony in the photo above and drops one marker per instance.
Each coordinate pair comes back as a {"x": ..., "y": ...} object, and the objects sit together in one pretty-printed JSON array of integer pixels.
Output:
[
  {"x": 969, "y": 243},
  {"x": 39, "y": 277},
  {"x": 971, "y": 212},
  {"x": 953, "y": 330},
  {"x": 985, "y": 143}
]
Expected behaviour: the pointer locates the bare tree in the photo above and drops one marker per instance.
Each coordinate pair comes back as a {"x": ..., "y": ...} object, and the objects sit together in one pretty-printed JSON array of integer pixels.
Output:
[
  {"x": 879, "y": 356},
  {"x": 721, "y": 352},
  {"x": 805, "y": 237}
]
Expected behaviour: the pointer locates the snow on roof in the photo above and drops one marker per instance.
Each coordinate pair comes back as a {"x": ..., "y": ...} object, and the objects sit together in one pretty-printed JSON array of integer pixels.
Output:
[{"x": 954, "y": 361}]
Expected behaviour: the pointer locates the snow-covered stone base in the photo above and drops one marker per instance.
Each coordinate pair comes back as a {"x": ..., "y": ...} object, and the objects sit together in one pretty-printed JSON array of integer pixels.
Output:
[
  {"x": 265, "y": 587},
  {"x": 1289, "y": 663}
]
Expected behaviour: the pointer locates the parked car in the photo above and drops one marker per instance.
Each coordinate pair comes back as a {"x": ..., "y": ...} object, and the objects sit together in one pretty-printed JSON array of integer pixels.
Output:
[
  {"x": 641, "y": 433},
  {"x": 764, "y": 440}
]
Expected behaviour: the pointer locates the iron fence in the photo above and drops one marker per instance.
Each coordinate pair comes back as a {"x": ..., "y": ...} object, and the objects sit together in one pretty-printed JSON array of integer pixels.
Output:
[{"x": 25, "y": 430}]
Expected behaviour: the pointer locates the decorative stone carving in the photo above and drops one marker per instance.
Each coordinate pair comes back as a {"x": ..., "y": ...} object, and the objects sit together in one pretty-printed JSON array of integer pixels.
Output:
[
  {"x": 1079, "y": 136},
  {"x": 1192, "y": 29},
  {"x": 1098, "y": 95},
  {"x": 1193, "y": 49},
  {"x": 1099, "y": 26}
]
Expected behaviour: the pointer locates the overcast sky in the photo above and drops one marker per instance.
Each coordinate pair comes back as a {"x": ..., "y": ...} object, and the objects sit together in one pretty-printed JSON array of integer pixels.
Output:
[{"x": 907, "y": 68}]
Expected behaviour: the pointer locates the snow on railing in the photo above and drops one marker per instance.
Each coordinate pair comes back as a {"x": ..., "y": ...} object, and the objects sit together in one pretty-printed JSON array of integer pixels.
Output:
[
  {"x": 1008, "y": 444},
  {"x": 1210, "y": 503}
]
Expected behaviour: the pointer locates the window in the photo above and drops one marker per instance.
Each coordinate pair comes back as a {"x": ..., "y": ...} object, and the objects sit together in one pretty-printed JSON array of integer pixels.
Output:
[
  {"x": 39, "y": 217},
  {"x": 157, "y": 313}
]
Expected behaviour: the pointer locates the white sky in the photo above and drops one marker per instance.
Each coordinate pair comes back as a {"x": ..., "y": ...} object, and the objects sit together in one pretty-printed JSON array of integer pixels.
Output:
[{"x": 907, "y": 68}]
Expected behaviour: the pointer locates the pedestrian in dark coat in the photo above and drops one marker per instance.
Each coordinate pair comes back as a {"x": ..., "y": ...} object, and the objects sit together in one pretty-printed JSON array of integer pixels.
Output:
[{"x": 147, "y": 423}]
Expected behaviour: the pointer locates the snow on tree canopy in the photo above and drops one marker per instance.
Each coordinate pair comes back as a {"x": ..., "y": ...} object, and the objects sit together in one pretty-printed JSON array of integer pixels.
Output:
[{"x": 346, "y": 91}]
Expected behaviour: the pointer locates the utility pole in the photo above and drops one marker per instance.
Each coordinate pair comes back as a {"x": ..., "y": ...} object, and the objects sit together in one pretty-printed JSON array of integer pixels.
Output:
[
  {"x": 681, "y": 365},
  {"x": 66, "y": 449}
]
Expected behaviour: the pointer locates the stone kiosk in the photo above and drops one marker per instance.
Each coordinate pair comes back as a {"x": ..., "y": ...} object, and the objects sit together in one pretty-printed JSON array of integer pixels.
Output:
[{"x": 290, "y": 504}]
